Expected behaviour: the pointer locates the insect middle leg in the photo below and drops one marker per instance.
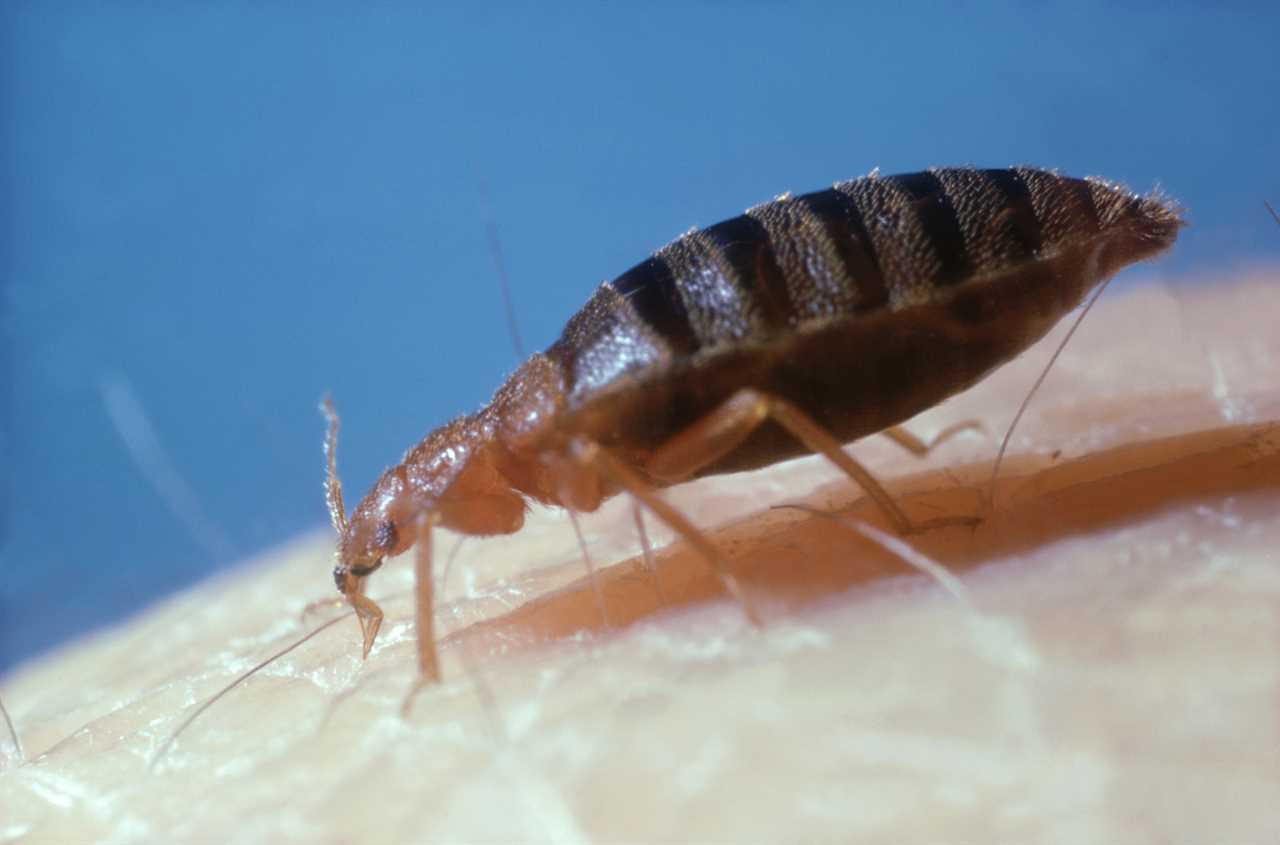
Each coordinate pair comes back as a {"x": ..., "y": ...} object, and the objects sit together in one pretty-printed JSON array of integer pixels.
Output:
[
  {"x": 591, "y": 456},
  {"x": 726, "y": 428},
  {"x": 646, "y": 551}
]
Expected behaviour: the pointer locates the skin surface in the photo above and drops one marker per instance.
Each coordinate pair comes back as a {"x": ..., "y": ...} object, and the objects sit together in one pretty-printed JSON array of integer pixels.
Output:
[{"x": 1107, "y": 672}]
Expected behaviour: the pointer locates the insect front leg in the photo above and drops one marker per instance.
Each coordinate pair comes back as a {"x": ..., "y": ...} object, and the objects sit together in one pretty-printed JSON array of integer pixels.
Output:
[
  {"x": 424, "y": 602},
  {"x": 424, "y": 612},
  {"x": 726, "y": 428}
]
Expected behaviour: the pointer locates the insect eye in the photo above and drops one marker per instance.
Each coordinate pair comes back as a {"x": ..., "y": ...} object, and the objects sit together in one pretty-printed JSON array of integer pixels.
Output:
[
  {"x": 386, "y": 535},
  {"x": 340, "y": 577}
]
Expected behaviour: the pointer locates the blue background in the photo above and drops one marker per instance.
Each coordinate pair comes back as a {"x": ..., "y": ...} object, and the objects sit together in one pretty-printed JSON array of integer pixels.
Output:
[{"x": 211, "y": 215}]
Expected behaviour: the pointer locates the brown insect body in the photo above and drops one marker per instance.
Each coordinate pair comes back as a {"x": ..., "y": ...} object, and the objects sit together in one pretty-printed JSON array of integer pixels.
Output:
[{"x": 856, "y": 307}]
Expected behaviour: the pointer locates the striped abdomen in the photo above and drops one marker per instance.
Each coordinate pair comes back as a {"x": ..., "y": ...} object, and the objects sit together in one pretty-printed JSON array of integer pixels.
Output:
[{"x": 862, "y": 247}]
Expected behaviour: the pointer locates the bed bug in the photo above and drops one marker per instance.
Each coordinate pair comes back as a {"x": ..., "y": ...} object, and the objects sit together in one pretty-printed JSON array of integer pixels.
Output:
[{"x": 802, "y": 325}]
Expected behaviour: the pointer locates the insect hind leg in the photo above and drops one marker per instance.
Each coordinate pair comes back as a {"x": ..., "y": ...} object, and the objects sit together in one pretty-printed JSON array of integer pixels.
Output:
[
  {"x": 920, "y": 448},
  {"x": 726, "y": 428}
]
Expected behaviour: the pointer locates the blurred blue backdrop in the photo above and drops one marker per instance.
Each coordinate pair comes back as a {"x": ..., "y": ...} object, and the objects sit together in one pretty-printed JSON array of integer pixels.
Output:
[{"x": 212, "y": 213}]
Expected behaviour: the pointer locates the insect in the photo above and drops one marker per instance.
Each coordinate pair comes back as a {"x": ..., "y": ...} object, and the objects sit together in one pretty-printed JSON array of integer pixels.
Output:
[{"x": 797, "y": 327}]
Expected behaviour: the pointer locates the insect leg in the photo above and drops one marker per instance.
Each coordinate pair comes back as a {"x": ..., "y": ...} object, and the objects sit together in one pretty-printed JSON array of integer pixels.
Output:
[
  {"x": 649, "y": 563},
  {"x": 424, "y": 604},
  {"x": 592, "y": 455},
  {"x": 727, "y": 427},
  {"x": 579, "y": 490},
  {"x": 918, "y": 447},
  {"x": 591, "y": 568},
  {"x": 424, "y": 614}
]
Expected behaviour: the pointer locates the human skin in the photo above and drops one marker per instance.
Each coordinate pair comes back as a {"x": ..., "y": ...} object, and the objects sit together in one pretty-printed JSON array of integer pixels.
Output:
[{"x": 1108, "y": 669}]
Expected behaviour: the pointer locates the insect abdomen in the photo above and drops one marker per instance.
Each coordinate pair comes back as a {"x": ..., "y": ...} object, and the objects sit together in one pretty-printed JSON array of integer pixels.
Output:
[{"x": 869, "y": 246}]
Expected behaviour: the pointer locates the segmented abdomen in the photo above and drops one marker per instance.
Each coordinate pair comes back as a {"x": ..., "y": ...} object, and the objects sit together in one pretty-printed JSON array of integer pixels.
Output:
[{"x": 865, "y": 245}]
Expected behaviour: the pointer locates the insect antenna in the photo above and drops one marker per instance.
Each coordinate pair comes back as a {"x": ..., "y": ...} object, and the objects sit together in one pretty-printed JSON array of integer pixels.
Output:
[
  {"x": 1272, "y": 210},
  {"x": 13, "y": 733},
  {"x": 332, "y": 485},
  {"x": 186, "y": 723},
  {"x": 1026, "y": 401}
]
